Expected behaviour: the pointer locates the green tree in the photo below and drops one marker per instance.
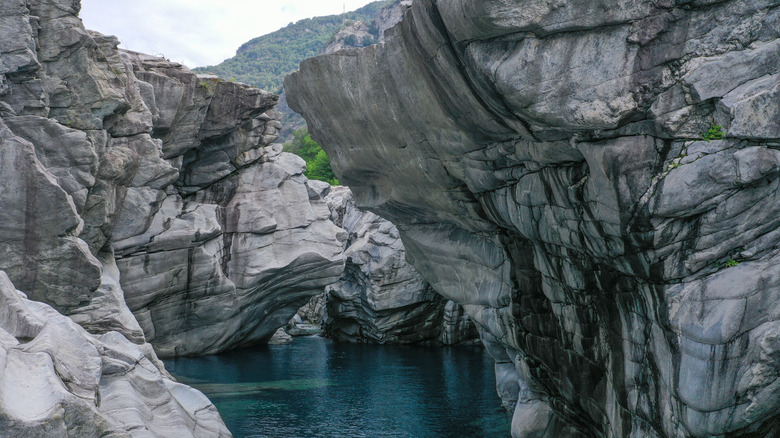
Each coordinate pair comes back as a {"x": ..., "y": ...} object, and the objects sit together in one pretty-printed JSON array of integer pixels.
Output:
[
  {"x": 317, "y": 161},
  {"x": 351, "y": 40},
  {"x": 373, "y": 28},
  {"x": 319, "y": 168}
]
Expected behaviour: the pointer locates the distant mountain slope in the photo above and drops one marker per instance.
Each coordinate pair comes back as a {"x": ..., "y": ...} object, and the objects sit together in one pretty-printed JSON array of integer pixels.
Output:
[{"x": 264, "y": 61}]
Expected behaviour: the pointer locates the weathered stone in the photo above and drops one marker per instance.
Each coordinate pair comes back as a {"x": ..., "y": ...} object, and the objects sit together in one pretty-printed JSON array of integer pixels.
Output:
[
  {"x": 380, "y": 297},
  {"x": 214, "y": 275},
  {"x": 215, "y": 263},
  {"x": 39, "y": 225},
  {"x": 540, "y": 162},
  {"x": 65, "y": 152},
  {"x": 126, "y": 178},
  {"x": 749, "y": 111},
  {"x": 153, "y": 171},
  {"x": 280, "y": 337},
  {"x": 58, "y": 380}
]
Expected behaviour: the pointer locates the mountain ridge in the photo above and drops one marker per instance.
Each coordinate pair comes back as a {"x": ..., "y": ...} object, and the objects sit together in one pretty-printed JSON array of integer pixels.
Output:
[{"x": 265, "y": 60}]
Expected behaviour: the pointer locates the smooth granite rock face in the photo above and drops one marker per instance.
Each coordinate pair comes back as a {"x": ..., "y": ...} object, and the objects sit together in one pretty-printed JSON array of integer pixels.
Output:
[
  {"x": 380, "y": 298},
  {"x": 221, "y": 237},
  {"x": 545, "y": 167},
  {"x": 58, "y": 381},
  {"x": 175, "y": 175},
  {"x": 139, "y": 203}
]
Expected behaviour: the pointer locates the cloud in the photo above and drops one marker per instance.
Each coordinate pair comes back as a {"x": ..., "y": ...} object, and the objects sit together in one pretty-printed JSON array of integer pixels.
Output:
[{"x": 199, "y": 32}]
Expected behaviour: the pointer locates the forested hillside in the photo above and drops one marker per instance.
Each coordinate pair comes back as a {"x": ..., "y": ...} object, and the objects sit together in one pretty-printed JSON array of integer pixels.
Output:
[{"x": 264, "y": 61}]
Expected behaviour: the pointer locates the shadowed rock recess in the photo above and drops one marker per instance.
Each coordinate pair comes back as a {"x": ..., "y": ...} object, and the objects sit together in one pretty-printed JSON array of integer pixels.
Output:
[
  {"x": 544, "y": 164},
  {"x": 380, "y": 298}
]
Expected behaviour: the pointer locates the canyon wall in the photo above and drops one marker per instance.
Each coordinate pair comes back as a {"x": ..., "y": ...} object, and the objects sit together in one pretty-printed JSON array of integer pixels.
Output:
[
  {"x": 596, "y": 183},
  {"x": 141, "y": 205},
  {"x": 170, "y": 180},
  {"x": 229, "y": 251}
]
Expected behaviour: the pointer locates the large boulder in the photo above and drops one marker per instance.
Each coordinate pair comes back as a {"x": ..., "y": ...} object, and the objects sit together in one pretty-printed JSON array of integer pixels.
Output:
[{"x": 596, "y": 183}]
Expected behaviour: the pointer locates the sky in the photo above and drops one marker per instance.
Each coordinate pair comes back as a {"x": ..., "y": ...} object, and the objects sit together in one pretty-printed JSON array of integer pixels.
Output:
[{"x": 199, "y": 32}]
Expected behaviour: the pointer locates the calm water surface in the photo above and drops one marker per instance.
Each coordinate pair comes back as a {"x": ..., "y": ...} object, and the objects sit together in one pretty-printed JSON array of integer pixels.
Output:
[{"x": 318, "y": 388}]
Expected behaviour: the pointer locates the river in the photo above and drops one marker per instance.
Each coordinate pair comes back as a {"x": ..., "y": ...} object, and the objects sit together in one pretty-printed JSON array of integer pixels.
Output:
[{"x": 315, "y": 387}]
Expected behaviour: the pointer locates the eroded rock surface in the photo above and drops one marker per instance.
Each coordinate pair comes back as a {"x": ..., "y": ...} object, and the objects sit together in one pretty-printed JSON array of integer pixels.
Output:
[
  {"x": 380, "y": 297},
  {"x": 119, "y": 154},
  {"x": 545, "y": 167},
  {"x": 58, "y": 380},
  {"x": 225, "y": 254},
  {"x": 133, "y": 190}
]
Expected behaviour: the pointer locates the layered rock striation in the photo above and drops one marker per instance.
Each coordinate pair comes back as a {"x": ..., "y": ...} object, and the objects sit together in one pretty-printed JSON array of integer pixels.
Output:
[
  {"x": 596, "y": 183},
  {"x": 228, "y": 252},
  {"x": 173, "y": 174},
  {"x": 380, "y": 298},
  {"x": 58, "y": 380}
]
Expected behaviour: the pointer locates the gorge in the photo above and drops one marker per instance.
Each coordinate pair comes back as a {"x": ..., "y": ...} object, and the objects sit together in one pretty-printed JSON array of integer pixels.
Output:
[
  {"x": 147, "y": 213},
  {"x": 593, "y": 184}
]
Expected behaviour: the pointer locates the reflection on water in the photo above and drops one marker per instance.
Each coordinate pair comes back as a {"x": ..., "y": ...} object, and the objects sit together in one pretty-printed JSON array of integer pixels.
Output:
[{"x": 317, "y": 388}]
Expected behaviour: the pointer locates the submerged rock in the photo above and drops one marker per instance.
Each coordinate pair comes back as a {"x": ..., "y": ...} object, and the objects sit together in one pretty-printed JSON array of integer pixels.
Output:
[{"x": 545, "y": 167}]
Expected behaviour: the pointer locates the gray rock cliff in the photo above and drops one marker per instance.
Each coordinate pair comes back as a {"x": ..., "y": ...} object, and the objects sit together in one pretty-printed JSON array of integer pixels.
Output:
[
  {"x": 111, "y": 154},
  {"x": 225, "y": 254},
  {"x": 545, "y": 165},
  {"x": 144, "y": 209}
]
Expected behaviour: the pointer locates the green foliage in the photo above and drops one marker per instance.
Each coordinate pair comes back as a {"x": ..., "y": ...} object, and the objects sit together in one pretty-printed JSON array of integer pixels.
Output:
[
  {"x": 373, "y": 28},
  {"x": 714, "y": 133},
  {"x": 366, "y": 41},
  {"x": 351, "y": 40},
  {"x": 731, "y": 263},
  {"x": 317, "y": 161},
  {"x": 320, "y": 169},
  {"x": 265, "y": 61}
]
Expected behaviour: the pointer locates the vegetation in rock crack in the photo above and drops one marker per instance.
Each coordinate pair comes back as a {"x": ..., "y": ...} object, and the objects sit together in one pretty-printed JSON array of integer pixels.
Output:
[
  {"x": 317, "y": 161},
  {"x": 731, "y": 263},
  {"x": 714, "y": 133}
]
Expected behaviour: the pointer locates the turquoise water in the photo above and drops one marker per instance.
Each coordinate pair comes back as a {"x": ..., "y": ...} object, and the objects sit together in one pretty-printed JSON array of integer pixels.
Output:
[{"x": 318, "y": 388}]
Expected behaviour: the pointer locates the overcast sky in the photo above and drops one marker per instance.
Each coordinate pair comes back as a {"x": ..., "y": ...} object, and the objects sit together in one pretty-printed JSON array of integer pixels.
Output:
[{"x": 199, "y": 32}]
